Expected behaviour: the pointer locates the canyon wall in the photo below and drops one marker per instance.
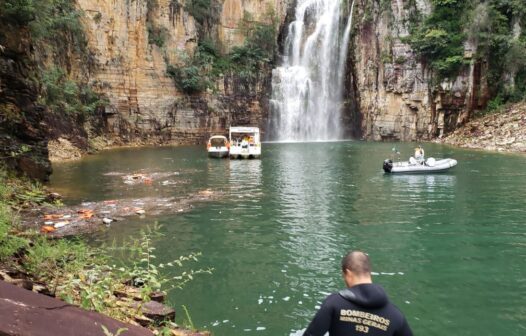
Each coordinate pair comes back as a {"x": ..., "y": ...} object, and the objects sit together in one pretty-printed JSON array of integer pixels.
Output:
[
  {"x": 145, "y": 104},
  {"x": 395, "y": 93},
  {"x": 23, "y": 142},
  {"x": 391, "y": 93}
]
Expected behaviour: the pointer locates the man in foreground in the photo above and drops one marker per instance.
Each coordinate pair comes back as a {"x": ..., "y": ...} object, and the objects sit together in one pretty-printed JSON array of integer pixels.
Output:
[{"x": 363, "y": 308}]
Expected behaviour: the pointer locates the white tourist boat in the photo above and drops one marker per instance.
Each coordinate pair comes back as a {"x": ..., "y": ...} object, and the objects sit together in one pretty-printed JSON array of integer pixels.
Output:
[
  {"x": 412, "y": 166},
  {"x": 218, "y": 146},
  {"x": 245, "y": 143}
]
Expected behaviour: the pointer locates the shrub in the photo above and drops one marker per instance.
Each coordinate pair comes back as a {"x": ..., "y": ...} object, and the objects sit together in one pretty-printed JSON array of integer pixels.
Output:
[
  {"x": 82, "y": 275},
  {"x": 439, "y": 38},
  {"x": 9, "y": 243},
  {"x": 188, "y": 78},
  {"x": 401, "y": 60},
  {"x": 157, "y": 35},
  {"x": 204, "y": 11},
  {"x": 495, "y": 104},
  {"x": 491, "y": 26},
  {"x": 200, "y": 71},
  {"x": 97, "y": 17},
  {"x": 19, "y": 12},
  {"x": 65, "y": 95},
  {"x": 51, "y": 259}
]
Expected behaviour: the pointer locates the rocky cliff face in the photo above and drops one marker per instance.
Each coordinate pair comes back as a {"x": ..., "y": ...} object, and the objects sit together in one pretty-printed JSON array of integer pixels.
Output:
[
  {"x": 145, "y": 104},
  {"x": 503, "y": 132},
  {"x": 23, "y": 143},
  {"x": 391, "y": 93},
  {"x": 395, "y": 93}
]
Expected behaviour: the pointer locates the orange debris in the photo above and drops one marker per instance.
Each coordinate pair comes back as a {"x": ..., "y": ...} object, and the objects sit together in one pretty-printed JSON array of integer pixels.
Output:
[
  {"x": 85, "y": 213},
  {"x": 53, "y": 216},
  {"x": 47, "y": 229}
]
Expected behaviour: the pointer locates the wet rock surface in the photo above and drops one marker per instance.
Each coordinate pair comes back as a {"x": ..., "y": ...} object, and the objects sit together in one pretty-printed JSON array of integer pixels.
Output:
[
  {"x": 23, "y": 312},
  {"x": 505, "y": 131},
  {"x": 27, "y": 297}
]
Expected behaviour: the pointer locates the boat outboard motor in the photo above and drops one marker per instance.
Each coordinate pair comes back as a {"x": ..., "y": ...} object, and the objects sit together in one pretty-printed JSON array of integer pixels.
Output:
[{"x": 388, "y": 165}]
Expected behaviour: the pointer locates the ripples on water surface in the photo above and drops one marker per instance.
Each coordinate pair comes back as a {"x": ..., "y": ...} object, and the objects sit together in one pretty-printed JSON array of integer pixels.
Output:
[{"x": 449, "y": 248}]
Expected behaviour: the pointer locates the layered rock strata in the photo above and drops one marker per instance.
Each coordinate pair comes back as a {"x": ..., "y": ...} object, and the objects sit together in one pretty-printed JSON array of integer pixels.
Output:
[
  {"x": 395, "y": 92},
  {"x": 145, "y": 105},
  {"x": 504, "y": 131},
  {"x": 23, "y": 142}
]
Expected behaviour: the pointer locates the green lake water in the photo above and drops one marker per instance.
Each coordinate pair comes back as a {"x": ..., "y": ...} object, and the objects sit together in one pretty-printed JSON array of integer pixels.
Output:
[{"x": 449, "y": 248}]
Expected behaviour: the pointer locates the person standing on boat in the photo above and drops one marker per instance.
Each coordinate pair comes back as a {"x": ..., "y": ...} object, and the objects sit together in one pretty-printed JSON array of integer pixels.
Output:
[{"x": 362, "y": 308}]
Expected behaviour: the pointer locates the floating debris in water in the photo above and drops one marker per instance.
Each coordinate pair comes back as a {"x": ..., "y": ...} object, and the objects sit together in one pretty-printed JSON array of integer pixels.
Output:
[
  {"x": 88, "y": 216},
  {"x": 113, "y": 174},
  {"x": 61, "y": 224},
  {"x": 47, "y": 229}
]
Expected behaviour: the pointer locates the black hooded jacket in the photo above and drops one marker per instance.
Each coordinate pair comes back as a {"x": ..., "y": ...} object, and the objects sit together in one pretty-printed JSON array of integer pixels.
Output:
[{"x": 359, "y": 310}]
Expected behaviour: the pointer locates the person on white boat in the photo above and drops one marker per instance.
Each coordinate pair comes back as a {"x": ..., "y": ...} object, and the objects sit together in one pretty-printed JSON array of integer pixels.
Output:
[
  {"x": 419, "y": 155},
  {"x": 244, "y": 142}
]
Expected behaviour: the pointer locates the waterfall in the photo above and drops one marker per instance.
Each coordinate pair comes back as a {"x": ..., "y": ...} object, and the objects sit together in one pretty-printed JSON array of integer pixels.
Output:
[{"x": 307, "y": 88}]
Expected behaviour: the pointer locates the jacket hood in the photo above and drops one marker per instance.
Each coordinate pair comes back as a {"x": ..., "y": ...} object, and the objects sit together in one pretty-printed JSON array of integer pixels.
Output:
[{"x": 365, "y": 295}]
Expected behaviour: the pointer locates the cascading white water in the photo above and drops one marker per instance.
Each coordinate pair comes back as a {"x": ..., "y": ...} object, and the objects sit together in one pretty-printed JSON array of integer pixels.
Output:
[{"x": 307, "y": 88}]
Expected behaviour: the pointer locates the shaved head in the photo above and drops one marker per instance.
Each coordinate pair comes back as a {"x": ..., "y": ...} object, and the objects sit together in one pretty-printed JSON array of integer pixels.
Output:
[{"x": 357, "y": 262}]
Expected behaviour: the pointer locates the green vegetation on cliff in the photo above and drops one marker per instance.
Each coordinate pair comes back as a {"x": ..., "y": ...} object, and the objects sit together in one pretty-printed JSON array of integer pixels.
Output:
[
  {"x": 439, "y": 38},
  {"x": 499, "y": 29},
  {"x": 55, "y": 21},
  {"x": 56, "y": 33},
  {"x": 62, "y": 94},
  {"x": 205, "y": 12},
  {"x": 245, "y": 62},
  {"x": 495, "y": 29}
]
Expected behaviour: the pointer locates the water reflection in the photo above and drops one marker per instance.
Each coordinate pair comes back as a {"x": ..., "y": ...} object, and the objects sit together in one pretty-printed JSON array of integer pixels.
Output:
[
  {"x": 245, "y": 171},
  {"x": 276, "y": 235},
  {"x": 307, "y": 189},
  {"x": 415, "y": 182},
  {"x": 245, "y": 178}
]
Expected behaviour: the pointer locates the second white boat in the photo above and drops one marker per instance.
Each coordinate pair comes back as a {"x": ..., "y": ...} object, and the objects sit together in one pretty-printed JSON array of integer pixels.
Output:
[
  {"x": 218, "y": 146},
  {"x": 431, "y": 165}
]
